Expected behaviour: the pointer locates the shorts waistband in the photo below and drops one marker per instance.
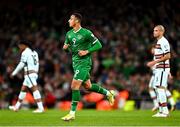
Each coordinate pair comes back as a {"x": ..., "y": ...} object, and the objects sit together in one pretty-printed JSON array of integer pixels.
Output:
[
  {"x": 30, "y": 72},
  {"x": 163, "y": 66}
]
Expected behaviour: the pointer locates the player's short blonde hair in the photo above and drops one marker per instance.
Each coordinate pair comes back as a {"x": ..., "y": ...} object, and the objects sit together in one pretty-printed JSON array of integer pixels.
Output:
[{"x": 161, "y": 28}]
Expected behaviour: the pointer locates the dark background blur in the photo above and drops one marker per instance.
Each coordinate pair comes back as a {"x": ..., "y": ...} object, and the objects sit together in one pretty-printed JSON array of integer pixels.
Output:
[{"x": 123, "y": 27}]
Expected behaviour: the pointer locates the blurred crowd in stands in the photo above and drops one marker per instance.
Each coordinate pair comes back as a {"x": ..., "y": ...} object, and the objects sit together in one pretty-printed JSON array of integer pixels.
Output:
[{"x": 123, "y": 27}]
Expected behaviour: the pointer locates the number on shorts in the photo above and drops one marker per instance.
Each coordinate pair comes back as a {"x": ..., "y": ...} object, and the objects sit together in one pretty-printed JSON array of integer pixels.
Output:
[{"x": 76, "y": 72}]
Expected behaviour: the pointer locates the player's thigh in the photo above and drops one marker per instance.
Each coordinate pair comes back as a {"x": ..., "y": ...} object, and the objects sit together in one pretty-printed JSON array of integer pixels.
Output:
[
  {"x": 160, "y": 79},
  {"x": 81, "y": 73},
  {"x": 151, "y": 82},
  {"x": 30, "y": 81},
  {"x": 24, "y": 88},
  {"x": 75, "y": 85}
]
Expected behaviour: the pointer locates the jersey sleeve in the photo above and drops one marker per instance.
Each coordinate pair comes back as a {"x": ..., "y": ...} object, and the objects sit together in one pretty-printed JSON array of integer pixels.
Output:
[
  {"x": 66, "y": 39},
  {"x": 23, "y": 57},
  {"x": 18, "y": 68},
  {"x": 165, "y": 47},
  {"x": 91, "y": 38}
]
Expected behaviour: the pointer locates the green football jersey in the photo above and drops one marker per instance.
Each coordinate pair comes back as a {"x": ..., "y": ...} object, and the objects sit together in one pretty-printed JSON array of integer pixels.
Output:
[{"x": 82, "y": 39}]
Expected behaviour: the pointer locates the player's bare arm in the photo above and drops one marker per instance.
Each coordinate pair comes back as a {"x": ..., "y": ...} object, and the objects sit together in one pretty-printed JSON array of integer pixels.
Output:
[
  {"x": 170, "y": 76},
  {"x": 163, "y": 58}
]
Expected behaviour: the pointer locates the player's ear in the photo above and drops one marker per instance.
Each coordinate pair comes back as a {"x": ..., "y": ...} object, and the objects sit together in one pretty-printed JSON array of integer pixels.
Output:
[{"x": 77, "y": 21}]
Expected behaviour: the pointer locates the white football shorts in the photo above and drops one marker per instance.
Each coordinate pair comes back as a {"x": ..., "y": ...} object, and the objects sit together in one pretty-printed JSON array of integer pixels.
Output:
[
  {"x": 30, "y": 80},
  {"x": 161, "y": 77}
]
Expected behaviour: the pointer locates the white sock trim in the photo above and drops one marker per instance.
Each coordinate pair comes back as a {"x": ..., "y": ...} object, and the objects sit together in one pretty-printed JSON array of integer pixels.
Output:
[{"x": 72, "y": 112}]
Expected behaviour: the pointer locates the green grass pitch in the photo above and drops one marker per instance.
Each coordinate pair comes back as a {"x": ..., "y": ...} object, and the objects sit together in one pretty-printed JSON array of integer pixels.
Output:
[{"x": 87, "y": 118}]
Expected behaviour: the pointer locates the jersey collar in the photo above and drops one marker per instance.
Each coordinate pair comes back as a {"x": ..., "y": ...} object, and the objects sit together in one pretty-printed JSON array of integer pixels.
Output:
[{"x": 77, "y": 30}]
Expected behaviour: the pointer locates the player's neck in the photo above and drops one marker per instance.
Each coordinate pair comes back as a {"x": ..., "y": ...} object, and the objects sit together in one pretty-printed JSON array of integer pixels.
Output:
[
  {"x": 159, "y": 37},
  {"x": 77, "y": 28}
]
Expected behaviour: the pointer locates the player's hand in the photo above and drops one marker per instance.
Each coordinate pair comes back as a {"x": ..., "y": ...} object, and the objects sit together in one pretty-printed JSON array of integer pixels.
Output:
[
  {"x": 170, "y": 76},
  {"x": 151, "y": 63},
  {"x": 83, "y": 52},
  {"x": 11, "y": 76},
  {"x": 65, "y": 47}
]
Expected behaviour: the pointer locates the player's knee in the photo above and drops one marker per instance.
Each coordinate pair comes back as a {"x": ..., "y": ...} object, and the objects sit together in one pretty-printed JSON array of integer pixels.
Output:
[
  {"x": 75, "y": 85},
  {"x": 87, "y": 86},
  {"x": 34, "y": 88},
  {"x": 151, "y": 89},
  {"x": 161, "y": 87},
  {"x": 24, "y": 88}
]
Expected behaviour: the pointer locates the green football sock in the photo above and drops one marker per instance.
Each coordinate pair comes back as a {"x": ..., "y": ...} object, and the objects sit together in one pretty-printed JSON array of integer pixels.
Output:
[
  {"x": 75, "y": 99},
  {"x": 98, "y": 89}
]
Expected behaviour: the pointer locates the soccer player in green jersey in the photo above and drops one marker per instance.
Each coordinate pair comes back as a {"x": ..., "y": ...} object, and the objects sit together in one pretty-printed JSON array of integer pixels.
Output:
[{"x": 82, "y": 43}]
